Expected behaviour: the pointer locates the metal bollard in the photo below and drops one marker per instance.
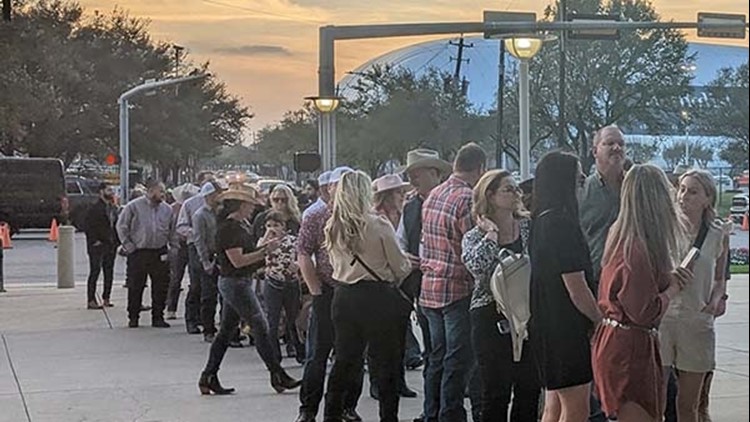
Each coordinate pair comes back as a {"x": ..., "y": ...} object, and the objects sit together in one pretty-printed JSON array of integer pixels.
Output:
[{"x": 66, "y": 257}]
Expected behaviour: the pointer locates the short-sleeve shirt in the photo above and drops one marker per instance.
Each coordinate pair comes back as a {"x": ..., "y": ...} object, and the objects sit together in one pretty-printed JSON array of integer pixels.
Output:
[
  {"x": 234, "y": 234},
  {"x": 310, "y": 242},
  {"x": 598, "y": 210},
  {"x": 558, "y": 330}
]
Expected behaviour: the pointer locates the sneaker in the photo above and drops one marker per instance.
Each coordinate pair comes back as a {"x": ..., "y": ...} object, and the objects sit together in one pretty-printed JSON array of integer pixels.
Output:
[
  {"x": 209, "y": 338},
  {"x": 107, "y": 304},
  {"x": 160, "y": 323},
  {"x": 93, "y": 305},
  {"x": 133, "y": 323},
  {"x": 170, "y": 315},
  {"x": 193, "y": 329}
]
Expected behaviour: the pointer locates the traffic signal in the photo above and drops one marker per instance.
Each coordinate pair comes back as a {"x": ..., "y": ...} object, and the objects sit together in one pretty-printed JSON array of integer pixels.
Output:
[{"x": 112, "y": 159}]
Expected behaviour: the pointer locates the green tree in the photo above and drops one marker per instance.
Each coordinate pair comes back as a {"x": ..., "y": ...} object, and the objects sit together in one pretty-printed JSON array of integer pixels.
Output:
[
  {"x": 701, "y": 153},
  {"x": 674, "y": 154},
  {"x": 642, "y": 152}
]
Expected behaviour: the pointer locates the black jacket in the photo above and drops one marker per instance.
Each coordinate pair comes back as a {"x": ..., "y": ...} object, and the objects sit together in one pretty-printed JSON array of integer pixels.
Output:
[{"x": 100, "y": 224}]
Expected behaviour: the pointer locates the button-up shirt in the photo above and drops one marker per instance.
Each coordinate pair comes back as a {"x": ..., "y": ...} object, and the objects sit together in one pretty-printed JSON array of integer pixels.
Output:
[
  {"x": 185, "y": 220},
  {"x": 446, "y": 217},
  {"x": 204, "y": 232},
  {"x": 310, "y": 242},
  {"x": 597, "y": 211},
  {"x": 144, "y": 225},
  {"x": 314, "y": 206}
]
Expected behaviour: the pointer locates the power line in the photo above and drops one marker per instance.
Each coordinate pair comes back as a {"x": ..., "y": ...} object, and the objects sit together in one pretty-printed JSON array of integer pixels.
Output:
[{"x": 262, "y": 12}]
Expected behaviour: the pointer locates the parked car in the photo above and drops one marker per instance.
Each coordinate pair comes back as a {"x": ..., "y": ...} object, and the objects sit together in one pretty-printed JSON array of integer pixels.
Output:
[
  {"x": 740, "y": 206},
  {"x": 82, "y": 192},
  {"x": 32, "y": 193}
]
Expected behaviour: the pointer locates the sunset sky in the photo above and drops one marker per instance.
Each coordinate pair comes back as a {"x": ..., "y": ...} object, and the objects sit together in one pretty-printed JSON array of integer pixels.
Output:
[{"x": 266, "y": 50}]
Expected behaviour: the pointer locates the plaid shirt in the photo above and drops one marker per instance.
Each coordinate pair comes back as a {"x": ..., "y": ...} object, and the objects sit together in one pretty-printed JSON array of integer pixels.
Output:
[
  {"x": 310, "y": 242},
  {"x": 446, "y": 217}
]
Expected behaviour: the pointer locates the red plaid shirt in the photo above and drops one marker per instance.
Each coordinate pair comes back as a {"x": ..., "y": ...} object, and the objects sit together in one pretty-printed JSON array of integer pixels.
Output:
[{"x": 446, "y": 217}]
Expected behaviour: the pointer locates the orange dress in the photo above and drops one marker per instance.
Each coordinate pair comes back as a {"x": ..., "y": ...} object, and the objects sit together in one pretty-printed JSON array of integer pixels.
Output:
[{"x": 626, "y": 362}]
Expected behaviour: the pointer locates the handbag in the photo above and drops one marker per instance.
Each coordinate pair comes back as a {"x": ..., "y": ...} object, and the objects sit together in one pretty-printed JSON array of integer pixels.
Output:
[{"x": 510, "y": 284}]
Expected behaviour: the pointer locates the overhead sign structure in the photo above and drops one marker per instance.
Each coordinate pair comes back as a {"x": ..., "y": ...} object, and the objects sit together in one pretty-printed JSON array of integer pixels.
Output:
[
  {"x": 594, "y": 34},
  {"x": 493, "y": 16},
  {"x": 729, "y": 31}
]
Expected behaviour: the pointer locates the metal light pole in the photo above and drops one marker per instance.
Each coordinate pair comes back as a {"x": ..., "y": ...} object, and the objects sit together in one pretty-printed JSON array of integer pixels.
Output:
[
  {"x": 326, "y": 107},
  {"x": 524, "y": 146},
  {"x": 125, "y": 130}
]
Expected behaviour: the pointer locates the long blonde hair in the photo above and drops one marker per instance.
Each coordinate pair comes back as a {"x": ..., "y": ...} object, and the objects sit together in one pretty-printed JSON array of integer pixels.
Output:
[
  {"x": 351, "y": 204},
  {"x": 650, "y": 217},
  {"x": 488, "y": 184},
  {"x": 291, "y": 201},
  {"x": 706, "y": 181}
]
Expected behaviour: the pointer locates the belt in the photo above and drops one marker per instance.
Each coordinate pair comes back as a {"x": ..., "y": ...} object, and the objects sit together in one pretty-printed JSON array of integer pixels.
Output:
[{"x": 618, "y": 324}]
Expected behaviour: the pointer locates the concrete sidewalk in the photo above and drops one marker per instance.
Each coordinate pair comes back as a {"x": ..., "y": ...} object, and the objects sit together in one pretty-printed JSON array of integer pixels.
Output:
[{"x": 61, "y": 362}]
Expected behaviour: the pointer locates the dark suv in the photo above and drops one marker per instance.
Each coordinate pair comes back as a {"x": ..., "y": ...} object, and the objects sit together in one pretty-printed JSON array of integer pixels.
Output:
[{"x": 82, "y": 192}]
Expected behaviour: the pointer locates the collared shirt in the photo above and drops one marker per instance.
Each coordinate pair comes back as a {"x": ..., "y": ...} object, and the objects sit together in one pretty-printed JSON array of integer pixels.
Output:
[
  {"x": 314, "y": 206},
  {"x": 378, "y": 249},
  {"x": 185, "y": 220},
  {"x": 143, "y": 225},
  {"x": 310, "y": 242},
  {"x": 446, "y": 218},
  {"x": 204, "y": 232},
  {"x": 597, "y": 210}
]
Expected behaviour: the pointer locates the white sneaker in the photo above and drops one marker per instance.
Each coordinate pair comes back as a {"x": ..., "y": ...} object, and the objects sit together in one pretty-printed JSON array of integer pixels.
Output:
[{"x": 171, "y": 315}]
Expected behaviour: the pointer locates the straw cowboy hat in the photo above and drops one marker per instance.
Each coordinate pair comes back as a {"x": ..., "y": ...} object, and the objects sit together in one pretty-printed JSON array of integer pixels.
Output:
[
  {"x": 426, "y": 158},
  {"x": 243, "y": 192},
  {"x": 388, "y": 182}
]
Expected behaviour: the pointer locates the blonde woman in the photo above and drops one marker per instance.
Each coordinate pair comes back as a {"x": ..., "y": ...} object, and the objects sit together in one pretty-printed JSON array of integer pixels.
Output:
[
  {"x": 366, "y": 310},
  {"x": 502, "y": 223},
  {"x": 688, "y": 340},
  {"x": 639, "y": 279},
  {"x": 282, "y": 200}
]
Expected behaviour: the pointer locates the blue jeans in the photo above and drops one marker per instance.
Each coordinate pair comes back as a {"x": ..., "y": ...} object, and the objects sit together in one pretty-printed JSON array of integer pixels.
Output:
[
  {"x": 193, "y": 300},
  {"x": 240, "y": 301},
  {"x": 450, "y": 362}
]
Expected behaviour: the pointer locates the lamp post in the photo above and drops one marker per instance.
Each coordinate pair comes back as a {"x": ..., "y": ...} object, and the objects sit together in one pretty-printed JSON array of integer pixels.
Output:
[
  {"x": 524, "y": 48},
  {"x": 326, "y": 107},
  {"x": 686, "y": 119}
]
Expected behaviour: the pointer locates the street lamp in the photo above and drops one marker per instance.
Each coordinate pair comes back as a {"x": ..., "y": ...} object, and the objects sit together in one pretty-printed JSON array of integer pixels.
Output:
[
  {"x": 524, "y": 47},
  {"x": 326, "y": 107}
]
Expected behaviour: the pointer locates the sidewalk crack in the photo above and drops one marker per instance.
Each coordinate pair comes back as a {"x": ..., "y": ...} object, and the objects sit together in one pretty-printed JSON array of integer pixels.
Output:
[{"x": 15, "y": 377}]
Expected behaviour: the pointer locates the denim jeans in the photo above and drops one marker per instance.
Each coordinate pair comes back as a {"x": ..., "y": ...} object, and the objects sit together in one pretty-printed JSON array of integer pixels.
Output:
[
  {"x": 240, "y": 301},
  {"x": 278, "y": 296},
  {"x": 450, "y": 362},
  {"x": 101, "y": 259},
  {"x": 209, "y": 299},
  {"x": 178, "y": 261},
  {"x": 412, "y": 353},
  {"x": 193, "y": 300}
]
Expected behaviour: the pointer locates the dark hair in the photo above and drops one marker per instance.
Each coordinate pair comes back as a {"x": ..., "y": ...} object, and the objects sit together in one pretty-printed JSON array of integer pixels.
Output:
[
  {"x": 152, "y": 183},
  {"x": 276, "y": 216},
  {"x": 228, "y": 206},
  {"x": 470, "y": 157},
  {"x": 103, "y": 186},
  {"x": 555, "y": 184},
  {"x": 313, "y": 183}
]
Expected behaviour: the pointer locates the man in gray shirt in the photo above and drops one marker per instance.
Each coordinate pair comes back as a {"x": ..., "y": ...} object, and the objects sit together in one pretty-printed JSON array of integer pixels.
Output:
[
  {"x": 204, "y": 235},
  {"x": 145, "y": 228},
  {"x": 599, "y": 206}
]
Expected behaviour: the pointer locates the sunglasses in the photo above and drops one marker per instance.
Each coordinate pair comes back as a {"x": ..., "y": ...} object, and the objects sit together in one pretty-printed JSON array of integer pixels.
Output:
[{"x": 279, "y": 199}]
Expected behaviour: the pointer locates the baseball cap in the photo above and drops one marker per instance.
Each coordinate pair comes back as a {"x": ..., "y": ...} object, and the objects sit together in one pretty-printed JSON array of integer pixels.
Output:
[
  {"x": 324, "y": 178},
  {"x": 210, "y": 187},
  {"x": 338, "y": 172}
]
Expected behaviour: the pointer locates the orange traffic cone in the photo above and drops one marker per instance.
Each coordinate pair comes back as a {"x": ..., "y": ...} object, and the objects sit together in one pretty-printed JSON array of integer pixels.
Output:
[
  {"x": 53, "y": 231},
  {"x": 745, "y": 223},
  {"x": 5, "y": 236}
]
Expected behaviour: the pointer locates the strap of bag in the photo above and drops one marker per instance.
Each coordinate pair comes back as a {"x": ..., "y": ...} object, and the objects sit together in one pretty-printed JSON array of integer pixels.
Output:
[
  {"x": 702, "y": 233},
  {"x": 359, "y": 260}
]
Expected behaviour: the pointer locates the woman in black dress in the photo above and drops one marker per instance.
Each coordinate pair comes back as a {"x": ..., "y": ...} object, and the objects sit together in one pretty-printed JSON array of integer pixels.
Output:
[
  {"x": 238, "y": 259},
  {"x": 563, "y": 308}
]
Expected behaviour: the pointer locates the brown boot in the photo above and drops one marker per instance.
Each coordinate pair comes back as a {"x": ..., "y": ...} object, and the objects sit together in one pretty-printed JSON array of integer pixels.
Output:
[{"x": 703, "y": 401}]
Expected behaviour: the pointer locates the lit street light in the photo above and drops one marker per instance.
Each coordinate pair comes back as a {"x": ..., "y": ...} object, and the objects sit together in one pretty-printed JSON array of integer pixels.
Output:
[{"x": 326, "y": 107}]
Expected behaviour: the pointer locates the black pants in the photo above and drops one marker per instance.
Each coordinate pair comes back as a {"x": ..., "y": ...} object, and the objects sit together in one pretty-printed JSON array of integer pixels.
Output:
[
  {"x": 178, "y": 260},
  {"x": 101, "y": 259},
  {"x": 193, "y": 300},
  {"x": 209, "y": 298},
  {"x": 499, "y": 374},
  {"x": 280, "y": 295},
  {"x": 367, "y": 314},
  {"x": 145, "y": 263}
]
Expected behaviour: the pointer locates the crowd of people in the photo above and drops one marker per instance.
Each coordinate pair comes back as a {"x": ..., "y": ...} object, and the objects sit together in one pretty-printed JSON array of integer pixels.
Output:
[{"x": 621, "y": 324}]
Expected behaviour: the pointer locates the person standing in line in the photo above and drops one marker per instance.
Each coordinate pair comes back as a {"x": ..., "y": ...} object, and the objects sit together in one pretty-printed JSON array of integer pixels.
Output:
[
  {"x": 389, "y": 195},
  {"x": 318, "y": 276},
  {"x": 446, "y": 288},
  {"x": 204, "y": 238},
  {"x": 425, "y": 170},
  {"x": 283, "y": 201},
  {"x": 598, "y": 207},
  {"x": 324, "y": 197},
  {"x": 144, "y": 229},
  {"x": 502, "y": 223},
  {"x": 687, "y": 335},
  {"x": 638, "y": 281},
  {"x": 101, "y": 245},
  {"x": 310, "y": 193},
  {"x": 239, "y": 256},
  {"x": 178, "y": 253},
  {"x": 367, "y": 309},
  {"x": 562, "y": 304}
]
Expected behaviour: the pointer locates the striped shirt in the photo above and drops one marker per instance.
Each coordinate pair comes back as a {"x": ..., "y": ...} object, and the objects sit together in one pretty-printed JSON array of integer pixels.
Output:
[{"x": 446, "y": 218}]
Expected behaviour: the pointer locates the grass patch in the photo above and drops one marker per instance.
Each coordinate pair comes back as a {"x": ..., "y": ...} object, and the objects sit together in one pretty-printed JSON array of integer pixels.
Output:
[{"x": 738, "y": 269}]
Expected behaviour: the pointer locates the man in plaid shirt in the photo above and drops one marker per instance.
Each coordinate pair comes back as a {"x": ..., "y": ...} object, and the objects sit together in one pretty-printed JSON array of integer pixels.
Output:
[{"x": 446, "y": 287}]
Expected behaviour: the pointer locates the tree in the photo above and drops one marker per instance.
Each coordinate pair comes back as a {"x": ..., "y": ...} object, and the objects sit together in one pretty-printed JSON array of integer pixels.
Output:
[
  {"x": 634, "y": 80},
  {"x": 674, "y": 154},
  {"x": 642, "y": 152},
  {"x": 702, "y": 154}
]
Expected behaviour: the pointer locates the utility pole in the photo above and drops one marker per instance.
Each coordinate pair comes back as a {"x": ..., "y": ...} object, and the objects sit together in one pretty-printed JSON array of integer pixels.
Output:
[
  {"x": 500, "y": 144},
  {"x": 460, "y": 57},
  {"x": 7, "y": 7},
  {"x": 562, "y": 125}
]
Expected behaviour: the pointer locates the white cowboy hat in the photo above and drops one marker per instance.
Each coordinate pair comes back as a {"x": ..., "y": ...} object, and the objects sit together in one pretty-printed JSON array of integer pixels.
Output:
[
  {"x": 388, "y": 182},
  {"x": 426, "y": 158},
  {"x": 245, "y": 193}
]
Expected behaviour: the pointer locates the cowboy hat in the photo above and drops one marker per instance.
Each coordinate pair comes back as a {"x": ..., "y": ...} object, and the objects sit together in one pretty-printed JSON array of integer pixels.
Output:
[
  {"x": 425, "y": 158},
  {"x": 388, "y": 182},
  {"x": 244, "y": 192}
]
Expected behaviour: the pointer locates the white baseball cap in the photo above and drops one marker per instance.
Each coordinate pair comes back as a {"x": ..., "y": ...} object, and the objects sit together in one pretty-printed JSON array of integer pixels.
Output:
[
  {"x": 208, "y": 188},
  {"x": 324, "y": 178},
  {"x": 338, "y": 172}
]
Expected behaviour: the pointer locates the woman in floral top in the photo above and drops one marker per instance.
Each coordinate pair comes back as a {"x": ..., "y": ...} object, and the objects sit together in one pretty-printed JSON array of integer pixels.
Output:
[
  {"x": 502, "y": 223},
  {"x": 281, "y": 288}
]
